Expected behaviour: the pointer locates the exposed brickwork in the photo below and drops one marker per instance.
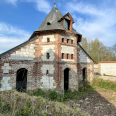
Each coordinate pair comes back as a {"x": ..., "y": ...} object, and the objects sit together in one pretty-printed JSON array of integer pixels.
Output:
[
  {"x": 84, "y": 62},
  {"x": 33, "y": 57}
]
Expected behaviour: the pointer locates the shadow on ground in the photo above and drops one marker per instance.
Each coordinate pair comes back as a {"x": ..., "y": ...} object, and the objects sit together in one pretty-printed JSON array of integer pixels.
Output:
[{"x": 97, "y": 102}]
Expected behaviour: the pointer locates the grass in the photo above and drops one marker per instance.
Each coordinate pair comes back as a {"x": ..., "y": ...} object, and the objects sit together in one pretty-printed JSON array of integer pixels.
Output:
[
  {"x": 106, "y": 84},
  {"x": 21, "y": 104},
  {"x": 44, "y": 103},
  {"x": 55, "y": 96}
]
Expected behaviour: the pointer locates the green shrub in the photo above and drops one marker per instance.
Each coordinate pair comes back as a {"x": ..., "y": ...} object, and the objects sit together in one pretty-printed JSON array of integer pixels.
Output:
[
  {"x": 97, "y": 73},
  {"x": 53, "y": 95},
  {"x": 5, "y": 107},
  {"x": 107, "y": 84},
  {"x": 37, "y": 92}
]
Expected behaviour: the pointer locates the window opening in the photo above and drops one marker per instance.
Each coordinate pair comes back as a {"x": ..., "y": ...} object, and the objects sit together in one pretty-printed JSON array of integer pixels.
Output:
[
  {"x": 62, "y": 55},
  {"x": 71, "y": 41},
  {"x": 47, "y": 55},
  {"x": 47, "y": 72},
  {"x": 67, "y": 56},
  {"x": 48, "y": 23},
  {"x": 67, "y": 40},
  {"x": 71, "y": 56},
  {"x": 48, "y": 39},
  {"x": 62, "y": 39}
]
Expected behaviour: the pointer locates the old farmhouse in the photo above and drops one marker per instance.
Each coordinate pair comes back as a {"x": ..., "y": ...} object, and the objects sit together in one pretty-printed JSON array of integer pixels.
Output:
[{"x": 51, "y": 58}]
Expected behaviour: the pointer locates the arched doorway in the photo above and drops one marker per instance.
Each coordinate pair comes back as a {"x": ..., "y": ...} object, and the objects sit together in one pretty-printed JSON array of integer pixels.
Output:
[
  {"x": 66, "y": 79},
  {"x": 84, "y": 74},
  {"x": 21, "y": 79}
]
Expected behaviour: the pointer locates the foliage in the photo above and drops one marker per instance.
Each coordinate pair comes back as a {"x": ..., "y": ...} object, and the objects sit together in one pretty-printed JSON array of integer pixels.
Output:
[
  {"x": 97, "y": 73},
  {"x": 98, "y": 51},
  {"x": 107, "y": 84},
  {"x": 22, "y": 104}
]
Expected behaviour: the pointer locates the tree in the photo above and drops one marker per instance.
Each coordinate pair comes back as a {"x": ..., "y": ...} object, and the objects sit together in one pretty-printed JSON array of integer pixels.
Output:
[{"x": 98, "y": 51}]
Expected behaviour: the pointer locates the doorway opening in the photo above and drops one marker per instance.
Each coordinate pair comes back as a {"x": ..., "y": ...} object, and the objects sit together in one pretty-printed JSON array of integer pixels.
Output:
[
  {"x": 21, "y": 79},
  {"x": 84, "y": 74},
  {"x": 66, "y": 79}
]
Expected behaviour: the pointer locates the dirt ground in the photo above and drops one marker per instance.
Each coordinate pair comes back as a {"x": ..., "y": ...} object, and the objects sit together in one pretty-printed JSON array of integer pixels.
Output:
[
  {"x": 111, "y": 78},
  {"x": 101, "y": 102}
]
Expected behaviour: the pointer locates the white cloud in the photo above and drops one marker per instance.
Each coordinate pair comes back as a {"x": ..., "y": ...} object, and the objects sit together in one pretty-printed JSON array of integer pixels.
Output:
[
  {"x": 11, "y": 1},
  {"x": 41, "y": 5},
  {"x": 11, "y": 36},
  {"x": 94, "y": 21}
]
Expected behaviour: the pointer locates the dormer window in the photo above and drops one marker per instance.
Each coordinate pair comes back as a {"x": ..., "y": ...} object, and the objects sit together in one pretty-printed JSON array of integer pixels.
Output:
[
  {"x": 67, "y": 24},
  {"x": 67, "y": 21}
]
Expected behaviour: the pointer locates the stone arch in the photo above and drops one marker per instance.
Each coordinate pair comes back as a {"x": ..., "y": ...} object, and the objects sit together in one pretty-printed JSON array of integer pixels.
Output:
[
  {"x": 21, "y": 79},
  {"x": 66, "y": 79},
  {"x": 18, "y": 65},
  {"x": 84, "y": 73}
]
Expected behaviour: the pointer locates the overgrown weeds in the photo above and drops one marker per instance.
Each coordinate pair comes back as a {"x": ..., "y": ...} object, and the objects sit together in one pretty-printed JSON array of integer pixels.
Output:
[
  {"x": 53, "y": 95},
  {"x": 47, "y": 103},
  {"x": 106, "y": 84},
  {"x": 21, "y": 104}
]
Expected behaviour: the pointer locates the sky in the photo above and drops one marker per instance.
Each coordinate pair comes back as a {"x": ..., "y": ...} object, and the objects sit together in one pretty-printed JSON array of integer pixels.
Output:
[{"x": 20, "y": 18}]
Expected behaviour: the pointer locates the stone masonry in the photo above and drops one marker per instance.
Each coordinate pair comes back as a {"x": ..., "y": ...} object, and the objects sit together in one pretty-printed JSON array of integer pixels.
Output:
[{"x": 48, "y": 52}]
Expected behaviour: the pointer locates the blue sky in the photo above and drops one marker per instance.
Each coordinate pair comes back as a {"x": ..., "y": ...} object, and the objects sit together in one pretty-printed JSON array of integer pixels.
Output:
[{"x": 20, "y": 18}]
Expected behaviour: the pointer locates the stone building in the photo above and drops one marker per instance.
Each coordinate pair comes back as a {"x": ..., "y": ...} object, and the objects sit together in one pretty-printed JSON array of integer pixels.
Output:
[{"x": 51, "y": 58}]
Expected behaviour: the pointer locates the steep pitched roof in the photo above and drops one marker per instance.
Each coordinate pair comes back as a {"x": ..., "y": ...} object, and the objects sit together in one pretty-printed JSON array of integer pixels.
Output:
[
  {"x": 85, "y": 52},
  {"x": 52, "y": 20},
  {"x": 18, "y": 47}
]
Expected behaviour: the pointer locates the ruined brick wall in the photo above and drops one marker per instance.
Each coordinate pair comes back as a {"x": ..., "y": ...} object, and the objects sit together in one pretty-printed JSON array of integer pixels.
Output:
[
  {"x": 55, "y": 65},
  {"x": 107, "y": 68},
  {"x": 23, "y": 57},
  {"x": 43, "y": 60},
  {"x": 84, "y": 62}
]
